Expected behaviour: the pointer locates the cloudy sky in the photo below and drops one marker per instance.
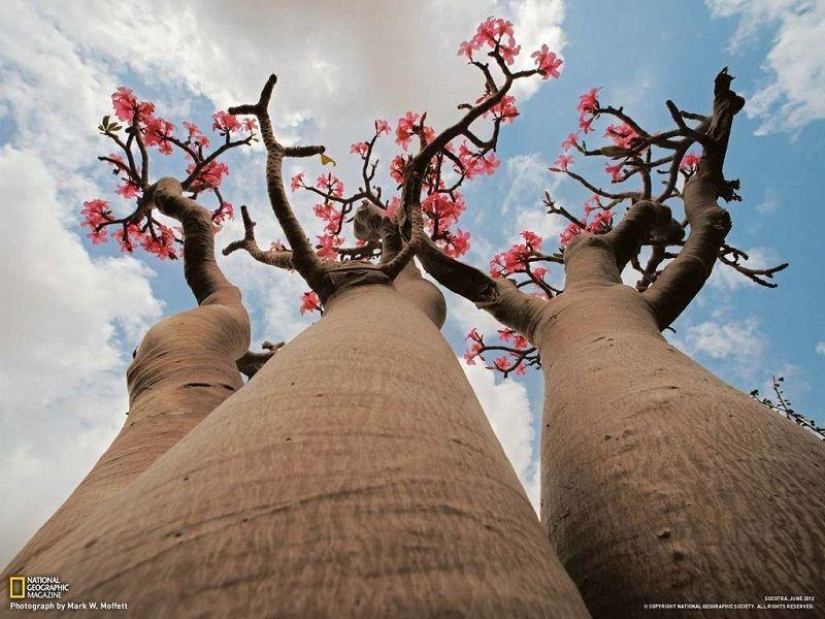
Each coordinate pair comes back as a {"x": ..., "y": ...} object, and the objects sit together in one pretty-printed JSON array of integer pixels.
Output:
[{"x": 72, "y": 313}]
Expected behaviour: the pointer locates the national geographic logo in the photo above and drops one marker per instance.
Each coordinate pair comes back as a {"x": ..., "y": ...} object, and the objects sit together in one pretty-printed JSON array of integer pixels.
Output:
[{"x": 36, "y": 588}]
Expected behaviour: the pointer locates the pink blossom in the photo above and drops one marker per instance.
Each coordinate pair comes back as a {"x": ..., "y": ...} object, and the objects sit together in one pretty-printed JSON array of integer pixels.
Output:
[
  {"x": 330, "y": 184},
  {"x": 328, "y": 246},
  {"x": 532, "y": 239},
  {"x": 563, "y": 161},
  {"x": 162, "y": 245},
  {"x": 382, "y": 126},
  {"x": 359, "y": 148},
  {"x": 457, "y": 244},
  {"x": 126, "y": 104},
  {"x": 504, "y": 110},
  {"x": 622, "y": 135},
  {"x": 195, "y": 135},
  {"x": 572, "y": 230},
  {"x": 443, "y": 208},
  {"x": 509, "y": 51},
  {"x": 128, "y": 189},
  {"x": 223, "y": 212},
  {"x": 96, "y": 212},
  {"x": 466, "y": 48},
  {"x": 572, "y": 141},
  {"x": 297, "y": 181},
  {"x": 397, "y": 166},
  {"x": 210, "y": 176},
  {"x": 615, "y": 171},
  {"x": 547, "y": 62},
  {"x": 250, "y": 124},
  {"x": 690, "y": 161},
  {"x": 224, "y": 122},
  {"x": 405, "y": 129},
  {"x": 592, "y": 203},
  {"x": 125, "y": 237},
  {"x": 98, "y": 235},
  {"x": 158, "y": 132},
  {"x": 310, "y": 302}
]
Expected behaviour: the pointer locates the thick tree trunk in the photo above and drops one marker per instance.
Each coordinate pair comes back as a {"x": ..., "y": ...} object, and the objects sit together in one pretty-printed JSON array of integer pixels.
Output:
[
  {"x": 355, "y": 475},
  {"x": 661, "y": 483}
]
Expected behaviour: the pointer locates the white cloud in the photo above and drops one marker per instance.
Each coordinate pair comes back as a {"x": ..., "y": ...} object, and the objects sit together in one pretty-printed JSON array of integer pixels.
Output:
[
  {"x": 793, "y": 93},
  {"x": 508, "y": 409},
  {"x": 820, "y": 348},
  {"x": 61, "y": 363},
  {"x": 769, "y": 203},
  {"x": 734, "y": 341}
]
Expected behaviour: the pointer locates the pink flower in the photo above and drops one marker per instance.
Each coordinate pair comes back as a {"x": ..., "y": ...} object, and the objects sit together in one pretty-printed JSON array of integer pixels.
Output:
[
  {"x": 331, "y": 184},
  {"x": 602, "y": 222},
  {"x": 96, "y": 212},
  {"x": 505, "y": 334},
  {"x": 466, "y": 48},
  {"x": 405, "y": 129},
  {"x": 297, "y": 181},
  {"x": 158, "y": 132},
  {"x": 441, "y": 207},
  {"x": 532, "y": 239},
  {"x": 162, "y": 245},
  {"x": 587, "y": 107},
  {"x": 690, "y": 162},
  {"x": 571, "y": 141},
  {"x": 547, "y": 62},
  {"x": 592, "y": 203},
  {"x": 457, "y": 244},
  {"x": 128, "y": 189},
  {"x": 224, "y": 122},
  {"x": 509, "y": 51},
  {"x": 563, "y": 161},
  {"x": 397, "y": 166},
  {"x": 622, "y": 135},
  {"x": 126, "y": 104},
  {"x": 359, "y": 148},
  {"x": 382, "y": 126},
  {"x": 124, "y": 237},
  {"x": 328, "y": 246},
  {"x": 572, "y": 230},
  {"x": 250, "y": 124},
  {"x": 98, "y": 236},
  {"x": 223, "y": 212},
  {"x": 211, "y": 175},
  {"x": 589, "y": 101},
  {"x": 504, "y": 110},
  {"x": 310, "y": 302},
  {"x": 615, "y": 171}
]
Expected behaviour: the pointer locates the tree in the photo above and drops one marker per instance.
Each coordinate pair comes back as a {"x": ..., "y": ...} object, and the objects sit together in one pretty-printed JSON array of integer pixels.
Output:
[
  {"x": 660, "y": 483},
  {"x": 188, "y": 363},
  {"x": 356, "y": 472}
]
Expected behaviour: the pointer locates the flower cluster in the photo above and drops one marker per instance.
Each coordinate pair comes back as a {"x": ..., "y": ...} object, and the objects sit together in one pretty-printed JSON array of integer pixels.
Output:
[
  {"x": 496, "y": 34},
  {"x": 588, "y": 109},
  {"x": 515, "y": 348},
  {"x": 518, "y": 258},
  {"x": 598, "y": 219}
]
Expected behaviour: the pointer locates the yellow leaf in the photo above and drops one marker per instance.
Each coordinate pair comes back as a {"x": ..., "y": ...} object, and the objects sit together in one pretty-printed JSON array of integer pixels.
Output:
[{"x": 327, "y": 160}]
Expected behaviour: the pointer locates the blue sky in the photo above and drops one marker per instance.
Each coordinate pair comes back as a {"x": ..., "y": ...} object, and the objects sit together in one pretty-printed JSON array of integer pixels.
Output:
[{"x": 77, "y": 311}]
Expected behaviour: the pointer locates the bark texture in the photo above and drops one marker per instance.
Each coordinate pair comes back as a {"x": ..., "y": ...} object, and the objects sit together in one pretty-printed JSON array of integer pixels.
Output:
[
  {"x": 184, "y": 367},
  {"x": 661, "y": 483},
  {"x": 354, "y": 475}
]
